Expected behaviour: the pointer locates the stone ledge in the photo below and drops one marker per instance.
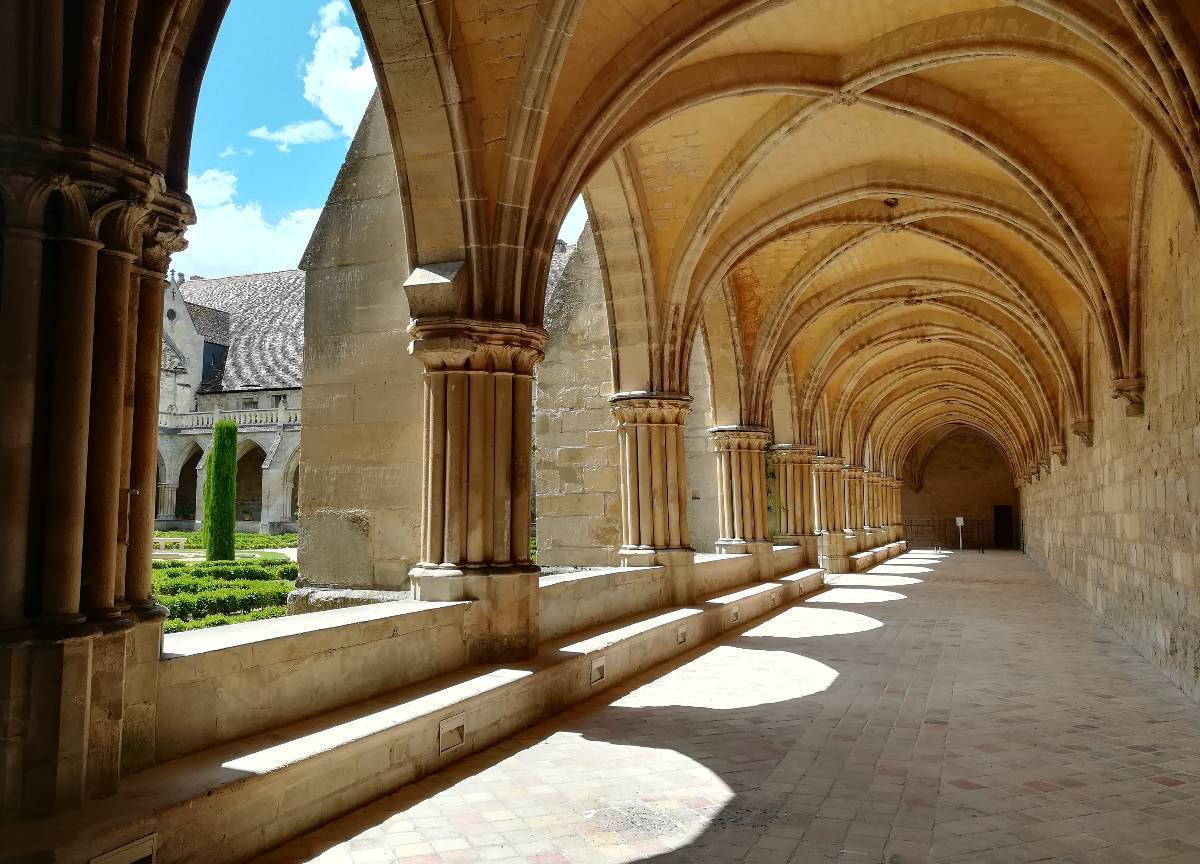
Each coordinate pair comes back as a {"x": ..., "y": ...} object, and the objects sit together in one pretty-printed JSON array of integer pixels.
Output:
[{"x": 231, "y": 802}]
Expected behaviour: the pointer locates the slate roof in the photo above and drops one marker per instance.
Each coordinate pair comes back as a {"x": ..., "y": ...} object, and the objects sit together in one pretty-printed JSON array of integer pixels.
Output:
[
  {"x": 261, "y": 318},
  {"x": 172, "y": 358},
  {"x": 264, "y": 315},
  {"x": 212, "y": 324}
]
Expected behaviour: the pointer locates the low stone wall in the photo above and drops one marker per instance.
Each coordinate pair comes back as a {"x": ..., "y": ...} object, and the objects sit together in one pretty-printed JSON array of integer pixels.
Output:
[
  {"x": 224, "y": 683},
  {"x": 570, "y": 602}
]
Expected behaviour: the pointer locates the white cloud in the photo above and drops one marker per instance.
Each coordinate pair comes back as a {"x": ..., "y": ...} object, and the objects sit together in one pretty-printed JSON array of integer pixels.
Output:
[
  {"x": 231, "y": 239},
  {"x": 336, "y": 80},
  {"x": 227, "y": 152},
  {"x": 307, "y": 132}
]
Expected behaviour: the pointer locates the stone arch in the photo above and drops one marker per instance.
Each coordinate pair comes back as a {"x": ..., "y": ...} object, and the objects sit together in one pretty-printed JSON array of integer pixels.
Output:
[{"x": 250, "y": 458}]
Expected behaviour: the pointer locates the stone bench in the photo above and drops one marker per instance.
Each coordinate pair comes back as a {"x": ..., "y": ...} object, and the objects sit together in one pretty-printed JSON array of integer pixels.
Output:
[{"x": 233, "y": 801}]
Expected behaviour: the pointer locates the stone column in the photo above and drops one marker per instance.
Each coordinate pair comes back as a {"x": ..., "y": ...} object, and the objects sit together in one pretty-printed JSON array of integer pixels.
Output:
[
  {"x": 794, "y": 483},
  {"x": 105, "y": 494},
  {"x": 874, "y": 507},
  {"x": 894, "y": 516},
  {"x": 143, "y": 467},
  {"x": 167, "y": 500},
  {"x": 478, "y": 447},
  {"x": 742, "y": 487},
  {"x": 20, "y": 295},
  {"x": 654, "y": 490},
  {"x": 831, "y": 518},
  {"x": 856, "y": 532}
]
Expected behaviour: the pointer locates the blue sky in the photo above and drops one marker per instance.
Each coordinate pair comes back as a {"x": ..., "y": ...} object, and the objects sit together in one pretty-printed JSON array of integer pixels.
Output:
[{"x": 283, "y": 94}]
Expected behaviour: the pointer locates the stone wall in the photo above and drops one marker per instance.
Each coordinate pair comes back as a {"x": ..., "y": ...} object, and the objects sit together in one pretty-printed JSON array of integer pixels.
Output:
[
  {"x": 965, "y": 476},
  {"x": 577, "y": 465},
  {"x": 360, "y": 474},
  {"x": 703, "y": 510},
  {"x": 1119, "y": 524}
]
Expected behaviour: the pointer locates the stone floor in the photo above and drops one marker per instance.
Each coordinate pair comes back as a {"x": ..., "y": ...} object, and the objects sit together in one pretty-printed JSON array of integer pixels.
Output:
[{"x": 942, "y": 708}]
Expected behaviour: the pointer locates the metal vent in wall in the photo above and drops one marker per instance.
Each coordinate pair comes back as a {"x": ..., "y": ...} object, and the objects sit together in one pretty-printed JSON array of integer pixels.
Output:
[
  {"x": 138, "y": 852},
  {"x": 597, "y": 670},
  {"x": 734, "y": 615},
  {"x": 452, "y": 732},
  {"x": 681, "y": 634}
]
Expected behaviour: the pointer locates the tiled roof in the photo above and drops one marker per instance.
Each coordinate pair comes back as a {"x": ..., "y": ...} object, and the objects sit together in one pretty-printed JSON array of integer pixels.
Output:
[
  {"x": 265, "y": 314},
  {"x": 172, "y": 359},
  {"x": 212, "y": 324}
]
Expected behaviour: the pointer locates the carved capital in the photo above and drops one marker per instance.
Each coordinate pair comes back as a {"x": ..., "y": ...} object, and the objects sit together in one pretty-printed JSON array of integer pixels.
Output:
[
  {"x": 1060, "y": 451},
  {"x": 1083, "y": 429},
  {"x": 740, "y": 437},
  {"x": 446, "y": 344},
  {"x": 795, "y": 454},
  {"x": 645, "y": 408},
  {"x": 1132, "y": 390}
]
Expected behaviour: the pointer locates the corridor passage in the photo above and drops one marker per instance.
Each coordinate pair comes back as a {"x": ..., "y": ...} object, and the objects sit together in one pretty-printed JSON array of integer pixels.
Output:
[{"x": 944, "y": 707}]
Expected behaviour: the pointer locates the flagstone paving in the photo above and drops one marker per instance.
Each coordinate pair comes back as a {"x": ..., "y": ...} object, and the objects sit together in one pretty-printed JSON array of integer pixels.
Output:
[{"x": 948, "y": 708}]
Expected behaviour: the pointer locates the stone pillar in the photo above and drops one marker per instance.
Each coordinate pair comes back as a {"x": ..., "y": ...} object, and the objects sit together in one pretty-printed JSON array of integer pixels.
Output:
[
  {"x": 831, "y": 515},
  {"x": 478, "y": 448},
  {"x": 106, "y": 496},
  {"x": 69, "y": 426},
  {"x": 875, "y": 507},
  {"x": 895, "y": 518},
  {"x": 166, "y": 500},
  {"x": 20, "y": 294},
  {"x": 742, "y": 486},
  {"x": 794, "y": 483},
  {"x": 143, "y": 432},
  {"x": 856, "y": 508}
]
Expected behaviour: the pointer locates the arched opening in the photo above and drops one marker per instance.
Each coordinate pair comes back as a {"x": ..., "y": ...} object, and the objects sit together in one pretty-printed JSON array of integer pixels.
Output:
[
  {"x": 250, "y": 487},
  {"x": 703, "y": 516},
  {"x": 186, "y": 506},
  {"x": 963, "y": 475}
]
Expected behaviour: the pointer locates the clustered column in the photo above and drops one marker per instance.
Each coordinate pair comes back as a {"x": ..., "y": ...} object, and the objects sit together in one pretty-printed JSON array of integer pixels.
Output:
[
  {"x": 856, "y": 507},
  {"x": 831, "y": 497},
  {"x": 895, "y": 518},
  {"x": 741, "y": 486},
  {"x": 874, "y": 506},
  {"x": 654, "y": 499},
  {"x": 476, "y": 494},
  {"x": 794, "y": 492},
  {"x": 81, "y": 289}
]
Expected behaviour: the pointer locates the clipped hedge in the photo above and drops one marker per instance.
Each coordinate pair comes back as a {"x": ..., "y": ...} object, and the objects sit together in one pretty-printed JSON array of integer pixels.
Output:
[
  {"x": 241, "y": 542},
  {"x": 229, "y": 569},
  {"x": 226, "y": 600},
  {"x": 177, "y": 626},
  {"x": 220, "y": 492}
]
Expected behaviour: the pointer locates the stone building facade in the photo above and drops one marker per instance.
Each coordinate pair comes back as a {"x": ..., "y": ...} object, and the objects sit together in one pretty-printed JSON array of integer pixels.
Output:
[{"x": 232, "y": 348}]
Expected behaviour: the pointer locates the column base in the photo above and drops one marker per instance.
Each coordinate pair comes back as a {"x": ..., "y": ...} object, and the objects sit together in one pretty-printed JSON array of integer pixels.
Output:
[
  {"x": 502, "y": 623},
  {"x": 832, "y": 552},
  {"x": 678, "y": 563},
  {"x": 852, "y": 541},
  {"x": 807, "y": 542}
]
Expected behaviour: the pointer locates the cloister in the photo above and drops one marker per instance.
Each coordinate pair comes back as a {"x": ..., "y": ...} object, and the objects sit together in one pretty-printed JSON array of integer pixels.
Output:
[{"x": 874, "y": 229}]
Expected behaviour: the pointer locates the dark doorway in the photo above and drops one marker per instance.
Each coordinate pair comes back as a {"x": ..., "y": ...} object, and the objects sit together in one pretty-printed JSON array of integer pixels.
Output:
[{"x": 1002, "y": 519}]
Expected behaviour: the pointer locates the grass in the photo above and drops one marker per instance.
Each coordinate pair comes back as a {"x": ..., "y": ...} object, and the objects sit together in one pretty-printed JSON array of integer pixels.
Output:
[{"x": 195, "y": 540}]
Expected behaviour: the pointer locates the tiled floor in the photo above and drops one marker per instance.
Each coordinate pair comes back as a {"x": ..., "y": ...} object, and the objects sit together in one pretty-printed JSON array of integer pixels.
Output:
[{"x": 957, "y": 708}]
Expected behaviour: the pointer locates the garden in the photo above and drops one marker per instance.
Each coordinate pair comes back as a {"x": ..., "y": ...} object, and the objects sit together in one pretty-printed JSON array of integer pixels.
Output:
[{"x": 233, "y": 580}]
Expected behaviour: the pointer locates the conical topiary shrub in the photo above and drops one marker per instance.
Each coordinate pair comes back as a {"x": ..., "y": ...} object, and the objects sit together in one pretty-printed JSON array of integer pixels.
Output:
[{"x": 220, "y": 492}]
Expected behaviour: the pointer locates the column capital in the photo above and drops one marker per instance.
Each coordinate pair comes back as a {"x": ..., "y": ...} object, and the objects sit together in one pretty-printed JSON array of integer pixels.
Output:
[
  {"x": 740, "y": 437},
  {"x": 854, "y": 472},
  {"x": 792, "y": 453},
  {"x": 874, "y": 476},
  {"x": 645, "y": 407},
  {"x": 443, "y": 344},
  {"x": 828, "y": 463}
]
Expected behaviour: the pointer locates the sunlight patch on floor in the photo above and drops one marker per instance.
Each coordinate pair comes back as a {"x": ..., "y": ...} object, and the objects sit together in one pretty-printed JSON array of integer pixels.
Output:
[{"x": 733, "y": 677}]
